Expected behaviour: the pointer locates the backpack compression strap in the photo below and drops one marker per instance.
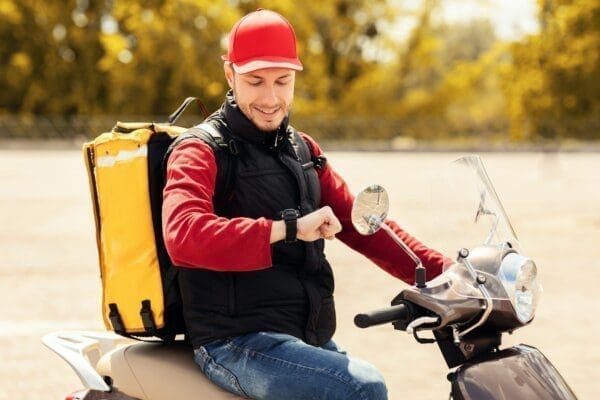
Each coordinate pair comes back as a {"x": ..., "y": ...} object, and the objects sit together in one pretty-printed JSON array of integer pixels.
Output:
[
  {"x": 217, "y": 142},
  {"x": 305, "y": 152}
]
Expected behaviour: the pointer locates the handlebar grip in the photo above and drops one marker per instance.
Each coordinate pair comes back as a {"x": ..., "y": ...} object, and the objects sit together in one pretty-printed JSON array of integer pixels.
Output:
[{"x": 382, "y": 316}]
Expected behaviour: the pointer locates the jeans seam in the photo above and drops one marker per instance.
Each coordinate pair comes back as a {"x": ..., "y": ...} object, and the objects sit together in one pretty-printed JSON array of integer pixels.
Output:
[
  {"x": 324, "y": 371},
  {"x": 207, "y": 358}
]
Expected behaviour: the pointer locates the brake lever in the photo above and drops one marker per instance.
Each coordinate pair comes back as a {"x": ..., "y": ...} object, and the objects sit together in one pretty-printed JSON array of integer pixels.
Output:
[{"x": 410, "y": 329}]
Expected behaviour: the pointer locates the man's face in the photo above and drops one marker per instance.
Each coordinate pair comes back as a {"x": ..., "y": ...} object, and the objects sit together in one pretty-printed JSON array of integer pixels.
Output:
[{"x": 264, "y": 96}]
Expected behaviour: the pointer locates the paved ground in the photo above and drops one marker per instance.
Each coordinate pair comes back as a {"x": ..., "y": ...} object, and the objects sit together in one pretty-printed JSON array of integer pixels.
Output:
[{"x": 49, "y": 278}]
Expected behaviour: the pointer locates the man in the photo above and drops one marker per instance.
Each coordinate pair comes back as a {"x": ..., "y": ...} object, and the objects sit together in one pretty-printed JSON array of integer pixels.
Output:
[{"x": 256, "y": 286}]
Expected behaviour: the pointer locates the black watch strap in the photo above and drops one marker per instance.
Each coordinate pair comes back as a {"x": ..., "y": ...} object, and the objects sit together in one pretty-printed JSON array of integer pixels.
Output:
[{"x": 290, "y": 217}]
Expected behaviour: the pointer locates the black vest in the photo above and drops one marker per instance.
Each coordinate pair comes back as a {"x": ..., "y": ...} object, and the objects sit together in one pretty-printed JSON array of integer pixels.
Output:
[{"x": 270, "y": 172}]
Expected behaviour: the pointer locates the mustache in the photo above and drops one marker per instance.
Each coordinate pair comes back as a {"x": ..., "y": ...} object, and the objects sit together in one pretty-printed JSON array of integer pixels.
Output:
[{"x": 269, "y": 106}]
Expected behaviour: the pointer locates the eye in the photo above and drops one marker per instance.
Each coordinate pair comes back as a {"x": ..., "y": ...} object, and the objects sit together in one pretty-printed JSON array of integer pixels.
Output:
[
  {"x": 282, "y": 83},
  {"x": 255, "y": 83}
]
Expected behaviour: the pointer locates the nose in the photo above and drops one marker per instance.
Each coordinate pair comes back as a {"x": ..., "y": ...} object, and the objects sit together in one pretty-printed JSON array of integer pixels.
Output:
[{"x": 269, "y": 97}]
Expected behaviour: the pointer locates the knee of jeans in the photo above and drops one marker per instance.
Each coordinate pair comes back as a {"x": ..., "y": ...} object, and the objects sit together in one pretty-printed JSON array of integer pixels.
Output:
[
  {"x": 371, "y": 384},
  {"x": 373, "y": 391}
]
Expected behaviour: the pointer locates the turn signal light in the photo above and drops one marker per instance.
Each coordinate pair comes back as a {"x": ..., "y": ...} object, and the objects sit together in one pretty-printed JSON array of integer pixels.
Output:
[{"x": 78, "y": 395}]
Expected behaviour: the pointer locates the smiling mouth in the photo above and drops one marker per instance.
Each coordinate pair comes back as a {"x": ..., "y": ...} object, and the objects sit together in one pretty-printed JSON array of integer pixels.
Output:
[{"x": 267, "y": 113}]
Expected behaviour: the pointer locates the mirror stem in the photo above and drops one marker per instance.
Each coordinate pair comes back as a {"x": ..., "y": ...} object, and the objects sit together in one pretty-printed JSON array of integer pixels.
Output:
[{"x": 419, "y": 265}]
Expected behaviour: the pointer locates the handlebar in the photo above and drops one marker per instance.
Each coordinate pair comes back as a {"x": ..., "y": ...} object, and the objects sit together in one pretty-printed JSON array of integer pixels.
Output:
[{"x": 382, "y": 316}]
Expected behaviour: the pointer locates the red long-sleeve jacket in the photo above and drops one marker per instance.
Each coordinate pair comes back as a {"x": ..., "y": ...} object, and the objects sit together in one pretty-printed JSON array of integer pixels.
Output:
[{"x": 196, "y": 237}]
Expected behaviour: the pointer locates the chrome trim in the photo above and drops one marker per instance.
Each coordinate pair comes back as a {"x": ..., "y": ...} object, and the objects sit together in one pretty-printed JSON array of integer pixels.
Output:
[
  {"x": 488, "y": 299},
  {"x": 421, "y": 321}
]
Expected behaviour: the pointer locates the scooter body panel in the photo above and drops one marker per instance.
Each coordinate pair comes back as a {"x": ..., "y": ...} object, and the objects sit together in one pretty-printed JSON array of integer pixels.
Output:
[
  {"x": 520, "y": 372},
  {"x": 148, "y": 371}
]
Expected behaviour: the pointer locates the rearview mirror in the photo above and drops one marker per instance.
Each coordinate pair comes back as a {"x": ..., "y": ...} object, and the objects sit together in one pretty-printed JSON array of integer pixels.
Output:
[{"x": 370, "y": 209}]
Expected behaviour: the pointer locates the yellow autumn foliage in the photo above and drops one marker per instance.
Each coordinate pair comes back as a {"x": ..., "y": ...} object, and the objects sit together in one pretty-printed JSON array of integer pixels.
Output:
[{"x": 142, "y": 58}]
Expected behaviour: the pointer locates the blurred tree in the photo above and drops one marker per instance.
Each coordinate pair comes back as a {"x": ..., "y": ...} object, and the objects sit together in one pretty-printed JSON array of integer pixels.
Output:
[
  {"x": 92, "y": 57},
  {"x": 466, "y": 41},
  {"x": 384, "y": 89},
  {"x": 50, "y": 61},
  {"x": 469, "y": 95},
  {"x": 444, "y": 82},
  {"x": 143, "y": 57},
  {"x": 553, "y": 87},
  {"x": 165, "y": 51}
]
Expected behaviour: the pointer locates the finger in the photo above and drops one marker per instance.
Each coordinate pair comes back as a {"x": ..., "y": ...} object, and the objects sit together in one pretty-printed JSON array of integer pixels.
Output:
[
  {"x": 312, "y": 236},
  {"x": 329, "y": 218},
  {"x": 328, "y": 231},
  {"x": 328, "y": 237},
  {"x": 336, "y": 228},
  {"x": 333, "y": 225}
]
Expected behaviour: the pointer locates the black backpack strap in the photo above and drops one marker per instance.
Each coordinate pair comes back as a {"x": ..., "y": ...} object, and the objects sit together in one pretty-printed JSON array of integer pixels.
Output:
[
  {"x": 218, "y": 142},
  {"x": 115, "y": 319},
  {"x": 310, "y": 163},
  {"x": 305, "y": 152}
]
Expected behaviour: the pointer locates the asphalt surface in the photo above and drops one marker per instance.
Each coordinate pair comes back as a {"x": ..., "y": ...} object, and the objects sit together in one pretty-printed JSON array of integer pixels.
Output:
[{"x": 49, "y": 276}]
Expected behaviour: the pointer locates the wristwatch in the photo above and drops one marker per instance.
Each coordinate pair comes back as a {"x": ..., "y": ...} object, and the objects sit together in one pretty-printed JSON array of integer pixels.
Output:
[{"x": 290, "y": 216}]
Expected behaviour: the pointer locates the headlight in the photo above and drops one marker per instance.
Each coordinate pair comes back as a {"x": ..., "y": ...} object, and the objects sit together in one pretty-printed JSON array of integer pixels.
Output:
[{"x": 519, "y": 277}]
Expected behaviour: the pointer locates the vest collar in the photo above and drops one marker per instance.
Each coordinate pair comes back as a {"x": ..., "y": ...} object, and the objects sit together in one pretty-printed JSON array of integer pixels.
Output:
[{"x": 241, "y": 126}]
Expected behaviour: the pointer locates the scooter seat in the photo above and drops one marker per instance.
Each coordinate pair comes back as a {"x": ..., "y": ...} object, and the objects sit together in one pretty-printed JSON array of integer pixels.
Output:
[{"x": 154, "y": 371}]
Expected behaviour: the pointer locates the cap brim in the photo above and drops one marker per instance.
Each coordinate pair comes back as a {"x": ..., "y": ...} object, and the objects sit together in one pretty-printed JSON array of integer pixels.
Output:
[{"x": 249, "y": 66}]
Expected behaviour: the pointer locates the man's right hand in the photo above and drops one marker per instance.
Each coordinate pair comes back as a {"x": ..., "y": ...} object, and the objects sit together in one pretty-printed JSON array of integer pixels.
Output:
[{"x": 321, "y": 223}]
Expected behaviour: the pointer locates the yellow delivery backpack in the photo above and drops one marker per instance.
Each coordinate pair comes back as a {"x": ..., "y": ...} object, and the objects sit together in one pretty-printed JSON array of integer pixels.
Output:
[{"x": 126, "y": 168}]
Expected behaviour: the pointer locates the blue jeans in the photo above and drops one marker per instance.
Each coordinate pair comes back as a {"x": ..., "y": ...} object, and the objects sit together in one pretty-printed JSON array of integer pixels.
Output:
[{"x": 267, "y": 365}]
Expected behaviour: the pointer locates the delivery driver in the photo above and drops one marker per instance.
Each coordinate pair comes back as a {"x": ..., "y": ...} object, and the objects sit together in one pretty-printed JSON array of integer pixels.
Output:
[{"x": 257, "y": 289}]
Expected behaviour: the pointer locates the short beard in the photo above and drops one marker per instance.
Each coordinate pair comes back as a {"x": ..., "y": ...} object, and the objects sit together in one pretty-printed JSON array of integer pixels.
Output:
[{"x": 247, "y": 113}]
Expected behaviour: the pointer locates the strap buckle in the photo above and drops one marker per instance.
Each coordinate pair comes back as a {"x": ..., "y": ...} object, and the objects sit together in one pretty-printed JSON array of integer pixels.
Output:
[
  {"x": 319, "y": 162},
  {"x": 115, "y": 319},
  {"x": 147, "y": 317}
]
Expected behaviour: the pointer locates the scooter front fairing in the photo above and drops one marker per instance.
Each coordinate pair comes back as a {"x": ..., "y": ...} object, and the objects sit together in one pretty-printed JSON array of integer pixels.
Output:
[{"x": 519, "y": 372}]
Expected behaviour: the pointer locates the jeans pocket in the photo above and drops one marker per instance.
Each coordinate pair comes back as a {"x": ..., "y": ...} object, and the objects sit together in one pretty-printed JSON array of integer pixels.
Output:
[{"x": 217, "y": 373}]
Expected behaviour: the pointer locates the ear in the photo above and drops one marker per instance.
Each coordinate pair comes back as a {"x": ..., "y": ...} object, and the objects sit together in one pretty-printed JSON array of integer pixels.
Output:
[{"x": 229, "y": 72}]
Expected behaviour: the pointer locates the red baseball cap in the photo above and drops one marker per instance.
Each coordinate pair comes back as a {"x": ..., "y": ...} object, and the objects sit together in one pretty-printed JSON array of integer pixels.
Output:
[{"x": 262, "y": 39}]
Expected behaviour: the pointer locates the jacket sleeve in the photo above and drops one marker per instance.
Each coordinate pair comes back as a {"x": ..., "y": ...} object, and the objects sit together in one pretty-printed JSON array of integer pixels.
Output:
[
  {"x": 379, "y": 247},
  {"x": 196, "y": 237}
]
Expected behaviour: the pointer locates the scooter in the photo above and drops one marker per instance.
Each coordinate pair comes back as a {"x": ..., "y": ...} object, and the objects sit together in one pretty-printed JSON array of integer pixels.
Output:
[
  {"x": 492, "y": 288},
  {"x": 112, "y": 367}
]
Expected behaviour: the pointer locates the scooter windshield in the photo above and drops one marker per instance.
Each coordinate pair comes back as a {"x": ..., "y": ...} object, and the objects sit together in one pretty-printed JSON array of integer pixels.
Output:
[
  {"x": 470, "y": 215},
  {"x": 464, "y": 195}
]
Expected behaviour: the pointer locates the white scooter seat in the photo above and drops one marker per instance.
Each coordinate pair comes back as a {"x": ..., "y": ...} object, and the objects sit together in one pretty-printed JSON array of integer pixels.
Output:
[{"x": 154, "y": 371}]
